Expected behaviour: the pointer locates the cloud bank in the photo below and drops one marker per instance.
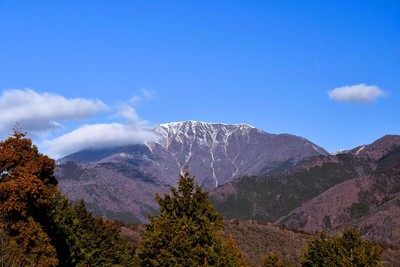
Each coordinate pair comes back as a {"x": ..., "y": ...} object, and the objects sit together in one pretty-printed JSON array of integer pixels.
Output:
[
  {"x": 39, "y": 113},
  {"x": 97, "y": 136},
  {"x": 102, "y": 135},
  {"x": 36, "y": 112},
  {"x": 360, "y": 93}
]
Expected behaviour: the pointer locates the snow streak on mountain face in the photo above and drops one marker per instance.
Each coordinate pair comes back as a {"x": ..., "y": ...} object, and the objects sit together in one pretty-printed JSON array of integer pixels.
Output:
[
  {"x": 204, "y": 144},
  {"x": 122, "y": 181},
  {"x": 215, "y": 152},
  {"x": 218, "y": 153}
]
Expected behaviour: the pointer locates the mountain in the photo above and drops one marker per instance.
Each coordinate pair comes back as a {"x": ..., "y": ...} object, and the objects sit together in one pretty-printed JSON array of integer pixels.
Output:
[
  {"x": 359, "y": 187},
  {"x": 370, "y": 201},
  {"x": 218, "y": 153},
  {"x": 377, "y": 149},
  {"x": 270, "y": 196},
  {"x": 121, "y": 181},
  {"x": 111, "y": 189}
]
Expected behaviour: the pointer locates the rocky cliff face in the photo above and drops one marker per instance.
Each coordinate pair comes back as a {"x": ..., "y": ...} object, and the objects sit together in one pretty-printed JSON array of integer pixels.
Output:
[{"x": 215, "y": 153}]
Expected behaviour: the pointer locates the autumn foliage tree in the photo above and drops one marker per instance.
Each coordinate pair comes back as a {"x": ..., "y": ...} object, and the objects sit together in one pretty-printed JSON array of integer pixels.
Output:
[
  {"x": 39, "y": 226},
  {"x": 187, "y": 231},
  {"x": 27, "y": 186}
]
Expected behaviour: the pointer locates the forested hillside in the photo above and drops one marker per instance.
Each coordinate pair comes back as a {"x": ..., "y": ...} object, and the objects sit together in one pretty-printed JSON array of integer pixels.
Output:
[
  {"x": 359, "y": 187},
  {"x": 40, "y": 227}
]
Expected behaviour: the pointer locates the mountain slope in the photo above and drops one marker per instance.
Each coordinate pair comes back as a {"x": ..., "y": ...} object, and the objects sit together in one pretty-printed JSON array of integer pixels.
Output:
[
  {"x": 271, "y": 196},
  {"x": 360, "y": 187},
  {"x": 113, "y": 191},
  {"x": 370, "y": 202},
  {"x": 216, "y": 153}
]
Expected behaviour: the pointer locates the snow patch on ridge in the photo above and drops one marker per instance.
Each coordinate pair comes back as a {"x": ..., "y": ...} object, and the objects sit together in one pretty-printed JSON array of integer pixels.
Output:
[
  {"x": 360, "y": 149},
  {"x": 215, "y": 151},
  {"x": 206, "y": 136}
]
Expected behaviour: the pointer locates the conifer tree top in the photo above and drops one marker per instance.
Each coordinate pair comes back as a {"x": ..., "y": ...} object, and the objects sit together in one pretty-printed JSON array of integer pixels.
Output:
[{"x": 187, "y": 231}]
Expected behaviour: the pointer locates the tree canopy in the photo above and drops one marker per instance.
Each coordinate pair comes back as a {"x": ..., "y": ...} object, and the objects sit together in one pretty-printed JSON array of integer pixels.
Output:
[
  {"x": 27, "y": 186},
  {"x": 187, "y": 231},
  {"x": 39, "y": 226},
  {"x": 345, "y": 249}
]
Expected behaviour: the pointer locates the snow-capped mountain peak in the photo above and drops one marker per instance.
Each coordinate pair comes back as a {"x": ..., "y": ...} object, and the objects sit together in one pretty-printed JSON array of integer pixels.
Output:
[
  {"x": 184, "y": 126},
  {"x": 219, "y": 152},
  {"x": 216, "y": 153}
]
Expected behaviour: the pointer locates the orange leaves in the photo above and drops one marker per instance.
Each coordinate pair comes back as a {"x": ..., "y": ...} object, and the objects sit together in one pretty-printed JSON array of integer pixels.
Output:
[
  {"x": 18, "y": 154},
  {"x": 35, "y": 243},
  {"x": 29, "y": 179},
  {"x": 26, "y": 190}
]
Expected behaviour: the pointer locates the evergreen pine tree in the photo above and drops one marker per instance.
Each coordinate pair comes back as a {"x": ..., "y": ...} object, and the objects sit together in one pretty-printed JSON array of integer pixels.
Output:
[
  {"x": 187, "y": 231},
  {"x": 272, "y": 260},
  {"x": 91, "y": 241},
  {"x": 345, "y": 249}
]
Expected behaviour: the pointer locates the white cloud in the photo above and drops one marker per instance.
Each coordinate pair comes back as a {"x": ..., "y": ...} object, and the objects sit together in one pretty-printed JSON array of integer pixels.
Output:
[
  {"x": 97, "y": 136},
  {"x": 360, "y": 93},
  {"x": 102, "y": 135},
  {"x": 146, "y": 94},
  {"x": 37, "y": 112},
  {"x": 129, "y": 113}
]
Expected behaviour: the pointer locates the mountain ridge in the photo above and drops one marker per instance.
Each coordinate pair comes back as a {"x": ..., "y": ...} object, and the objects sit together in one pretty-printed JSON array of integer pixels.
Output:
[
  {"x": 252, "y": 174},
  {"x": 359, "y": 188},
  {"x": 215, "y": 153}
]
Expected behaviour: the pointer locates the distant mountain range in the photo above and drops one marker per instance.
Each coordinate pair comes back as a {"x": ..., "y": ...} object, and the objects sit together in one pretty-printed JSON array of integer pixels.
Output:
[
  {"x": 120, "y": 182},
  {"x": 251, "y": 174},
  {"x": 360, "y": 187}
]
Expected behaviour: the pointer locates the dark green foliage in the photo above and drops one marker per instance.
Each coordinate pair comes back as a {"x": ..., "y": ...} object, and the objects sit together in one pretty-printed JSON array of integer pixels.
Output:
[
  {"x": 346, "y": 249},
  {"x": 278, "y": 167},
  {"x": 187, "y": 232},
  {"x": 272, "y": 260},
  {"x": 90, "y": 241},
  {"x": 390, "y": 160},
  {"x": 270, "y": 197},
  {"x": 128, "y": 169},
  {"x": 327, "y": 222},
  {"x": 97, "y": 210},
  {"x": 358, "y": 210}
]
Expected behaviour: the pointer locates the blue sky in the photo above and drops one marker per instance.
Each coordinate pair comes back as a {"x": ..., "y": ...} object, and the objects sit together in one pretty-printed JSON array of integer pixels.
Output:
[{"x": 75, "y": 71}]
